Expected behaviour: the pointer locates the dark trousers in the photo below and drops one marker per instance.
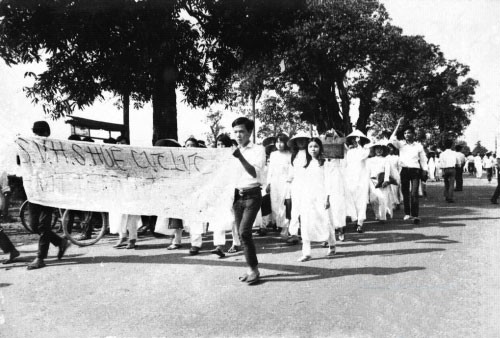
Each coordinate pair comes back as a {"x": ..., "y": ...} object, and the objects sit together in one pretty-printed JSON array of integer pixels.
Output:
[
  {"x": 489, "y": 174},
  {"x": 245, "y": 210},
  {"x": 410, "y": 180},
  {"x": 449, "y": 181},
  {"x": 496, "y": 194},
  {"x": 5, "y": 243},
  {"x": 40, "y": 218},
  {"x": 459, "y": 178},
  {"x": 472, "y": 169}
]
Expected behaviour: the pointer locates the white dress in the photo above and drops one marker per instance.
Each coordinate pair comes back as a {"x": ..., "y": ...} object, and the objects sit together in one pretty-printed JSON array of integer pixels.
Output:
[
  {"x": 335, "y": 186},
  {"x": 395, "y": 196},
  {"x": 315, "y": 224},
  {"x": 296, "y": 176},
  {"x": 478, "y": 164},
  {"x": 431, "y": 164},
  {"x": 120, "y": 223},
  {"x": 277, "y": 177},
  {"x": 379, "y": 197},
  {"x": 357, "y": 183}
]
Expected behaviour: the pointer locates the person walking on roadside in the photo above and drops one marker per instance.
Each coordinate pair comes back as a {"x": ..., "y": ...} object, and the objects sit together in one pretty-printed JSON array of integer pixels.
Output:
[
  {"x": 226, "y": 221},
  {"x": 414, "y": 168},
  {"x": 357, "y": 177},
  {"x": 248, "y": 197},
  {"x": 379, "y": 170},
  {"x": 7, "y": 247},
  {"x": 277, "y": 185},
  {"x": 488, "y": 164},
  {"x": 314, "y": 218},
  {"x": 460, "y": 171},
  {"x": 450, "y": 163},
  {"x": 40, "y": 217},
  {"x": 124, "y": 223},
  {"x": 496, "y": 194},
  {"x": 298, "y": 144},
  {"x": 478, "y": 165}
]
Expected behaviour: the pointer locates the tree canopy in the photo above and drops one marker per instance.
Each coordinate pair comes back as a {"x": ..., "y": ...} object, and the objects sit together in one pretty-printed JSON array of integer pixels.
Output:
[
  {"x": 145, "y": 49},
  {"x": 329, "y": 52}
]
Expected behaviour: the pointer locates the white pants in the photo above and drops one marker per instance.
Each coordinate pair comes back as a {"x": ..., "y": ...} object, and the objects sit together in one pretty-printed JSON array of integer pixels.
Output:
[
  {"x": 129, "y": 223},
  {"x": 306, "y": 245},
  {"x": 220, "y": 237},
  {"x": 196, "y": 239},
  {"x": 378, "y": 200}
]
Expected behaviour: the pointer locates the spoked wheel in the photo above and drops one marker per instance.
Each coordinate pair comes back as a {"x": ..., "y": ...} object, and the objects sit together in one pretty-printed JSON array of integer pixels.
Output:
[
  {"x": 84, "y": 227},
  {"x": 24, "y": 216}
]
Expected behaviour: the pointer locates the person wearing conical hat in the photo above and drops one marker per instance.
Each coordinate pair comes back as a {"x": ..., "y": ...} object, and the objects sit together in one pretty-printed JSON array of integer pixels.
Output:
[
  {"x": 298, "y": 144},
  {"x": 380, "y": 172},
  {"x": 414, "y": 168},
  {"x": 357, "y": 177}
]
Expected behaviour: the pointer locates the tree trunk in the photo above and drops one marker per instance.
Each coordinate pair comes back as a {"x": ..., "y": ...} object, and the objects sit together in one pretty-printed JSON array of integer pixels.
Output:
[
  {"x": 165, "y": 105},
  {"x": 345, "y": 102},
  {"x": 365, "y": 110},
  {"x": 126, "y": 114}
]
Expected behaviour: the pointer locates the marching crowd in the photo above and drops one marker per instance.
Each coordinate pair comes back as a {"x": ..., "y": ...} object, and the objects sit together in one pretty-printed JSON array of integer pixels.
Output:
[{"x": 292, "y": 185}]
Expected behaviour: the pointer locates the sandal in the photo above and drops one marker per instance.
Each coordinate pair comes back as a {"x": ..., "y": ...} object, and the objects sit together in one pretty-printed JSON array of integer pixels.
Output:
[{"x": 174, "y": 246}]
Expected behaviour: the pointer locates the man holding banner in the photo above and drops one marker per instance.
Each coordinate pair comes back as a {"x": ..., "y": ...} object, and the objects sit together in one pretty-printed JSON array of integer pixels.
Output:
[{"x": 248, "y": 195}]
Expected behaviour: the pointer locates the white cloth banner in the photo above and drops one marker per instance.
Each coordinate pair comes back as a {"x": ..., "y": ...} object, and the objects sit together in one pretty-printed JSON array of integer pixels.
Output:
[{"x": 195, "y": 184}]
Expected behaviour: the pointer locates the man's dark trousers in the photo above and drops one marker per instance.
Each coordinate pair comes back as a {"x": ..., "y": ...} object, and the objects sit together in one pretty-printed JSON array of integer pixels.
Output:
[
  {"x": 245, "y": 207},
  {"x": 410, "y": 179},
  {"x": 459, "y": 178},
  {"x": 40, "y": 220}
]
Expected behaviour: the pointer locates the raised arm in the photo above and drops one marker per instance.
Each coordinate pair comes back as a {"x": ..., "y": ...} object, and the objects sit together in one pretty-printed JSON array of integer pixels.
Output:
[{"x": 393, "y": 136}]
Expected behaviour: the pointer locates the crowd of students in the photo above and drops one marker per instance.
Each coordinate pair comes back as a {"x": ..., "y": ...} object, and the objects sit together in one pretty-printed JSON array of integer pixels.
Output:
[{"x": 307, "y": 196}]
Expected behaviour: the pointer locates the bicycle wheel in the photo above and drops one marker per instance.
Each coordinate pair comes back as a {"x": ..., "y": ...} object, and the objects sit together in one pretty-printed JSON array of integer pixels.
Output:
[
  {"x": 24, "y": 216},
  {"x": 24, "y": 213},
  {"x": 84, "y": 228}
]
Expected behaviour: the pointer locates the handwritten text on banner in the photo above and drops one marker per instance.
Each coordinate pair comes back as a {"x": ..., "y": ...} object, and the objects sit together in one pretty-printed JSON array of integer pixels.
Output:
[{"x": 188, "y": 183}]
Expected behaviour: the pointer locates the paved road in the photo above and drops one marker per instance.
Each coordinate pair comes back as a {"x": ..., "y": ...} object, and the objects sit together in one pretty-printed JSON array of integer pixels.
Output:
[{"x": 438, "y": 279}]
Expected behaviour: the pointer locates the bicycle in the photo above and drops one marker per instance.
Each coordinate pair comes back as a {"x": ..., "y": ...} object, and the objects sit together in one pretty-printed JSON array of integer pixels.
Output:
[
  {"x": 24, "y": 217},
  {"x": 84, "y": 228}
]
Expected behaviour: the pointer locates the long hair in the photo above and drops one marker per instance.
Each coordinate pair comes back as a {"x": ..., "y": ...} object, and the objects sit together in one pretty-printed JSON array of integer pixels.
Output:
[
  {"x": 283, "y": 138},
  {"x": 321, "y": 158}
]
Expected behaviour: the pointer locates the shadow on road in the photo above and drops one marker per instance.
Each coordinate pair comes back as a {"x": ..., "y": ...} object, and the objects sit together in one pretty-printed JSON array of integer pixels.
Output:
[{"x": 289, "y": 272}]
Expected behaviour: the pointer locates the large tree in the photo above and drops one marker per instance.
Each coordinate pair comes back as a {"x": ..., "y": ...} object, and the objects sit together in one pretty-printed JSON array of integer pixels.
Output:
[
  {"x": 323, "y": 49},
  {"x": 139, "y": 49}
]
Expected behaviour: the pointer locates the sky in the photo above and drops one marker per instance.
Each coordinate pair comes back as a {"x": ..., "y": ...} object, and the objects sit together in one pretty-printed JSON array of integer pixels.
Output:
[{"x": 466, "y": 30}]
